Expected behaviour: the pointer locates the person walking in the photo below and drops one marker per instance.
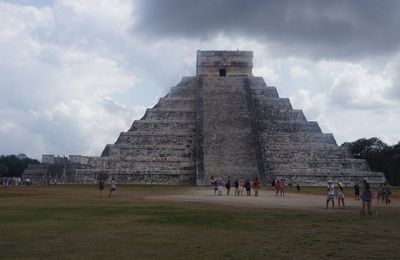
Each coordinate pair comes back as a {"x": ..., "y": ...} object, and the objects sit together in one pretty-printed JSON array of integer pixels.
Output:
[{"x": 113, "y": 188}]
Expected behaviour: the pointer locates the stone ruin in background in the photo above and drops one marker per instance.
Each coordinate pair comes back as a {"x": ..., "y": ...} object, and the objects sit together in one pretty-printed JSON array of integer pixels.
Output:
[{"x": 222, "y": 122}]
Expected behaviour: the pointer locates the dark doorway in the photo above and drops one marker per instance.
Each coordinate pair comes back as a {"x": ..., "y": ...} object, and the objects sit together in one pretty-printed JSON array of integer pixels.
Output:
[{"x": 222, "y": 72}]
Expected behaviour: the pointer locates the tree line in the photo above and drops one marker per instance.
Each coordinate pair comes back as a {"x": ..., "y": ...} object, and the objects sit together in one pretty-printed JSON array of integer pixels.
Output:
[
  {"x": 14, "y": 165},
  {"x": 380, "y": 156}
]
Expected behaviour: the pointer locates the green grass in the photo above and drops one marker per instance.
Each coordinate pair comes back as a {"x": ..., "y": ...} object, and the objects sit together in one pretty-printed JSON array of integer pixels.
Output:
[{"x": 71, "y": 222}]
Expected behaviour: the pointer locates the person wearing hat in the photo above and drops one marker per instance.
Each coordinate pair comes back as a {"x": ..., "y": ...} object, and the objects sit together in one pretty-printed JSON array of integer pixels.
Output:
[{"x": 331, "y": 194}]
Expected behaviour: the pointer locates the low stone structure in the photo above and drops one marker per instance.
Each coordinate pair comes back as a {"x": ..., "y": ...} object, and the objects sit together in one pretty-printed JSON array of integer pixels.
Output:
[{"x": 224, "y": 122}]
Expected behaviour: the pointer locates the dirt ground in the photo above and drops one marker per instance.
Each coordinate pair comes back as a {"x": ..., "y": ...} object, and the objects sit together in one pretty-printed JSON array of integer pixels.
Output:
[{"x": 267, "y": 199}]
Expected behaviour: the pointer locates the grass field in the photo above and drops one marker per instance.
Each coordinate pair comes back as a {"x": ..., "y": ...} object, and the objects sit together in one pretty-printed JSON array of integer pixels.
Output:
[{"x": 70, "y": 222}]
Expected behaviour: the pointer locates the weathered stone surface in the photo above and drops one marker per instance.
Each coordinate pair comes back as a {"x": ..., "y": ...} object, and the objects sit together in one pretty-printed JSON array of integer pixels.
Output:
[{"x": 221, "y": 123}]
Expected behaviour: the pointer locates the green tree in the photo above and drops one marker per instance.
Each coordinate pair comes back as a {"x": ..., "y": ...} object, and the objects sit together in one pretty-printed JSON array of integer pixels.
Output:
[
  {"x": 15, "y": 165},
  {"x": 380, "y": 156}
]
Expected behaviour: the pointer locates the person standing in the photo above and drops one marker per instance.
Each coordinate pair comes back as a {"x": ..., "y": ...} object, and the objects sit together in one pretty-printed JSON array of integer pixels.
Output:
[
  {"x": 113, "y": 188},
  {"x": 220, "y": 184},
  {"x": 282, "y": 188},
  {"x": 380, "y": 193},
  {"x": 356, "y": 192},
  {"x": 256, "y": 186},
  {"x": 387, "y": 192},
  {"x": 366, "y": 198},
  {"x": 241, "y": 186},
  {"x": 331, "y": 195},
  {"x": 340, "y": 196},
  {"x": 236, "y": 185},
  {"x": 214, "y": 185},
  {"x": 247, "y": 185},
  {"x": 276, "y": 186},
  {"x": 228, "y": 185},
  {"x": 101, "y": 186}
]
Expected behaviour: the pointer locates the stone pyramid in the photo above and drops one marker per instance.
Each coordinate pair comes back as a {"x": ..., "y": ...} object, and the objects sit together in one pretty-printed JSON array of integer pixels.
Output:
[{"x": 225, "y": 122}]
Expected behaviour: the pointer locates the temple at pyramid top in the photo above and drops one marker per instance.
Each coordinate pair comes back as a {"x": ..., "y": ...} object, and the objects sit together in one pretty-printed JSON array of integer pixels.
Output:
[{"x": 224, "y": 63}]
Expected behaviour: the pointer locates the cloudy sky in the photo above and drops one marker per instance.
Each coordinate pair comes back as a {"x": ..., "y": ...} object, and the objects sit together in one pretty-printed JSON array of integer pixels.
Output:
[{"x": 75, "y": 73}]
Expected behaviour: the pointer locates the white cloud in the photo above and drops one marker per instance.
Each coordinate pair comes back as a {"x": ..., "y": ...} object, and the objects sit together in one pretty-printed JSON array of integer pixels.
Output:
[
  {"x": 267, "y": 73},
  {"x": 298, "y": 72}
]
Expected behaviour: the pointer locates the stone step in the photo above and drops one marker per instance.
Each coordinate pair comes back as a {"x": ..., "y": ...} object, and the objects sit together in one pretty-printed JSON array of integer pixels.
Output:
[
  {"x": 269, "y": 92},
  {"x": 169, "y": 115},
  {"x": 117, "y": 150},
  {"x": 289, "y": 127},
  {"x": 138, "y": 177},
  {"x": 314, "y": 164},
  {"x": 305, "y": 153},
  {"x": 160, "y": 139},
  {"x": 273, "y": 138},
  {"x": 159, "y": 126},
  {"x": 177, "y": 103},
  {"x": 272, "y": 115},
  {"x": 267, "y": 103},
  {"x": 275, "y": 146}
]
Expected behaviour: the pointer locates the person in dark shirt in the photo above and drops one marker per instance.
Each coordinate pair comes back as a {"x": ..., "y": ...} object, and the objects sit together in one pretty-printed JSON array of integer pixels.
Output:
[
  {"x": 236, "y": 185},
  {"x": 228, "y": 185},
  {"x": 247, "y": 185},
  {"x": 356, "y": 192},
  {"x": 101, "y": 186},
  {"x": 366, "y": 198}
]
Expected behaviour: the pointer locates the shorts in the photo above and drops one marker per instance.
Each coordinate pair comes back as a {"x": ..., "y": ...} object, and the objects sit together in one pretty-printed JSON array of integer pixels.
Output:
[
  {"x": 113, "y": 189},
  {"x": 330, "y": 197}
]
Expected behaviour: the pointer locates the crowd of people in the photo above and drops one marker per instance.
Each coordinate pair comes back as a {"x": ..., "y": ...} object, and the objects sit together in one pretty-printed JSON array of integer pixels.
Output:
[
  {"x": 383, "y": 194},
  {"x": 240, "y": 186},
  {"x": 15, "y": 181},
  {"x": 335, "y": 193}
]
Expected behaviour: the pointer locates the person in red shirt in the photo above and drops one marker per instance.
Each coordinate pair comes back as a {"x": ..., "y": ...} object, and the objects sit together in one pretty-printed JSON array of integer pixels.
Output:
[
  {"x": 282, "y": 188},
  {"x": 277, "y": 187},
  {"x": 256, "y": 186}
]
